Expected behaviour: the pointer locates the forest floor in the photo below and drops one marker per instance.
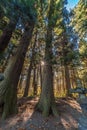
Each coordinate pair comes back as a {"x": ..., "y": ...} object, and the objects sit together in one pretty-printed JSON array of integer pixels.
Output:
[{"x": 28, "y": 119}]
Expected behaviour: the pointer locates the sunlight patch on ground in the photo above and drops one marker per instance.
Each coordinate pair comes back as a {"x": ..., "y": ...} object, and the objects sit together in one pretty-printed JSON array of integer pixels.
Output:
[
  {"x": 75, "y": 105},
  {"x": 70, "y": 123}
]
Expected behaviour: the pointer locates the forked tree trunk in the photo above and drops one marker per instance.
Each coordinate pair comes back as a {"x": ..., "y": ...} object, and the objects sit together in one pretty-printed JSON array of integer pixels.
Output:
[
  {"x": 7, "y": 33},
  {"x": 12, "y": 74}
]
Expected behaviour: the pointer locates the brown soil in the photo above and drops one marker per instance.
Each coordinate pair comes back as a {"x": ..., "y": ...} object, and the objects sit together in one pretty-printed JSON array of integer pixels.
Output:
[{"x": 28, "y": 119}]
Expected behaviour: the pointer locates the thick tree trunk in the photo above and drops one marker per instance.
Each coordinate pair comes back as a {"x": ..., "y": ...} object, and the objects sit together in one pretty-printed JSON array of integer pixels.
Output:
[
  {"x": 7, "y": 34},
  {"x": 47, "y": 102},
  {"x": 12, "y": 75}
]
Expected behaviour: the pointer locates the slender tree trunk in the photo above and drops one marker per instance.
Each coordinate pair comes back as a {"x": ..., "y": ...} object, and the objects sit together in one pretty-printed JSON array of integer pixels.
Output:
[
  {"x": 58, "y": 85},
  {"x": 7, "y": 33},
  {"x": 30, "y": 69},
  {"x": 63, "y": 78},
  {"x": 40, "y": 76},
  {"x": 66, "y": 68},
  {"x": 20, "y": 82},
  {"x": 37, "y": 74},
  {"x": 28, "y": 80},
  {"x": 67, "y": 78},
  {"x": 12, "y": 74},
  {"x": 34, "y": 82},
  {"x": 74, "y": 77}
]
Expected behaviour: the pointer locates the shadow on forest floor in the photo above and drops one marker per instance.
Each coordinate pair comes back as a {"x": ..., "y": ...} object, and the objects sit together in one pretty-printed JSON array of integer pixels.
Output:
[{"x": 28, "y": 119}]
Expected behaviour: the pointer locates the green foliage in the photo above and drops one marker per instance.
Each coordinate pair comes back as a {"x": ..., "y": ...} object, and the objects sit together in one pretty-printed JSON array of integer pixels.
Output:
[
  {"x": 80, "y": 15},
  {"x": 28, "y": 9}
]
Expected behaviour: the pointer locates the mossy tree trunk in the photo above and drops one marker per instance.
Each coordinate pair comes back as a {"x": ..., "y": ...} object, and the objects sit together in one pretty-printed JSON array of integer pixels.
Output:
[{"x": 12, "y": 74}]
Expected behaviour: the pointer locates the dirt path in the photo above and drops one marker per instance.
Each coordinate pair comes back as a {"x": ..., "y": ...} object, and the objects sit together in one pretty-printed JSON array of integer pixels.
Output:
[{"x": 27, "y": 119}]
